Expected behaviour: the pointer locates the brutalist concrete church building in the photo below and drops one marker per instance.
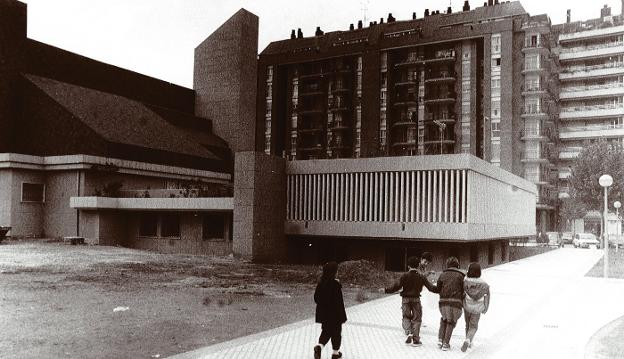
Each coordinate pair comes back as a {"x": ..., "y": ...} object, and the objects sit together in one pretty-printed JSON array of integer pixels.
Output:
[{"x": 321, "y": 148}]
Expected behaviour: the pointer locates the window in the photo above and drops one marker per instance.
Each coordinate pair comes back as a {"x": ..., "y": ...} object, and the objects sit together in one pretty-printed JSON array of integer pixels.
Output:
[
  {"x": 213, "y": 226},
  {"x": 33, "y": 192},
  {"x": 496, "y": 43},
  {"x": 531, "y": 62},
  {"x": 496, "y": 108},
  {"x": 148, "y": 225},
  {"x": 495, "y": 83},
  {"x": 170, "y": 225},
  {"x": 496, "y": 62}
]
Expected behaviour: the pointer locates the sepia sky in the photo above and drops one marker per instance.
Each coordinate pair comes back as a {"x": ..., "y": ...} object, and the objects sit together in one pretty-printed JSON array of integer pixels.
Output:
[{"x": 157, "y": 37}]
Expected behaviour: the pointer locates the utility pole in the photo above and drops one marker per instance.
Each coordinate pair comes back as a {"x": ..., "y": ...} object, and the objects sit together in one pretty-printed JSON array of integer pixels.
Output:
[{"x": 364, "y": 9}]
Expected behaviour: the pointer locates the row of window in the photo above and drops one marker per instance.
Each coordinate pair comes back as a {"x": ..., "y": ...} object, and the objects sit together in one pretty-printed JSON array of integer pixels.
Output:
[{"x": 167, "y": 225}]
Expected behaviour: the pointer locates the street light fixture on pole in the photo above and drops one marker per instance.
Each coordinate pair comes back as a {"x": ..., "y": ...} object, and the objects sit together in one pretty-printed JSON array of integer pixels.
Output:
[
  {"x": 618, "y": 225},
  {"x": 605, "y": 182},
  {"x": 441, "y": 127}
]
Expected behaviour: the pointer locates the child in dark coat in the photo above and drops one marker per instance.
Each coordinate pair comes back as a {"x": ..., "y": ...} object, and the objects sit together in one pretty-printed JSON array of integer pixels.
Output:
[
  {"x": 412, "y": 284},
  {"x": 451, "y": 288},
  {"x": 330, "y": 311}
]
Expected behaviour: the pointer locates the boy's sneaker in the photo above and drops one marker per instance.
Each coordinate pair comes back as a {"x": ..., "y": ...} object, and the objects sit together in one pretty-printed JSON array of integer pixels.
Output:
[
  {"x": 416, "y": 343},
  {"x": 439, "y": 343},
  {"x": 466, "y": 345},
  {"x": 317, "y": 352},
  {"x": 408, "y": 341},
  {"x": 446, "y": 347},
  {"x": 337, "y": 356}
]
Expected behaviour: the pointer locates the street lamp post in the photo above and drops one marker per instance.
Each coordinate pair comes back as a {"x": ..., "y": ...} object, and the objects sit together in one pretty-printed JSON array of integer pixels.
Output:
[
  {"x": 605, "y": 182},
  {"x": 441, "y": 126},
  {"x": 618, "y": 225}
]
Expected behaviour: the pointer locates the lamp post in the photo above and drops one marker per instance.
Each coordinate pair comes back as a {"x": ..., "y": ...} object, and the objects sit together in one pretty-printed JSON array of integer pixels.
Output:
[
  {"x": 618, "y": 225},
  {"x": 605, "y": 182},
  {"x": 441, "y": 127}
]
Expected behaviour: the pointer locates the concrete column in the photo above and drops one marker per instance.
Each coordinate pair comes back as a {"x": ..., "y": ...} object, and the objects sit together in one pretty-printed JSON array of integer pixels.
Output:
[{"x": 259, "y": 207}]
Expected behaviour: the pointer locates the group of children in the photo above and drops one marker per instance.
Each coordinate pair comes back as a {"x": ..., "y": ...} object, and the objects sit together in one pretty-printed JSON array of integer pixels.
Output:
[{"x": 459, "y": 292}]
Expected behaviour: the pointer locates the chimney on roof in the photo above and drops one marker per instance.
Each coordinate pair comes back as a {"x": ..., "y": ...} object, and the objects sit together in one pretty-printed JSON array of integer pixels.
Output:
[
  {"x": 414, "y": 14},
  {"x": 426, "y": 12},
  {"x": 490, "y": 2},
  {"x": 484, "y": 4},
  {"x": 496, "y": 2},
  {"x": 299, "y": 33},
  {"x": 371, "y": 24},
  {"x": 351, "y": 28},
  {"x": 467, "y": 6},
  {"x": 391, "y": 18},
  {"x": 293, "y": 35},
  {"x": 605, "y": 11},
  {"x": 360, "y": 24},
  {"x": 569, "y": 16},
  {"x": 449, "y": 10},
  {"x": 318, "y": 31}
]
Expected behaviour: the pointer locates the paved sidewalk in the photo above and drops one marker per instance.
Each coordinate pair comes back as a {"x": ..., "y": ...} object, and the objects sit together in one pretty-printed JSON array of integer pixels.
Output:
[{"x": 542, "y": 307}]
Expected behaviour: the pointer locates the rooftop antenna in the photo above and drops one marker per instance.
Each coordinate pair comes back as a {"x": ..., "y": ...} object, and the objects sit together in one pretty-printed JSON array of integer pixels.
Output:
[{"x": 364, "y": 9}]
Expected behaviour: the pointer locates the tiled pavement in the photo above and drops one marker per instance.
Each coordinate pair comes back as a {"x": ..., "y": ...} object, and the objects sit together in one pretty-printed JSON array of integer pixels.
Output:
[{"x": 542, "y": 307}]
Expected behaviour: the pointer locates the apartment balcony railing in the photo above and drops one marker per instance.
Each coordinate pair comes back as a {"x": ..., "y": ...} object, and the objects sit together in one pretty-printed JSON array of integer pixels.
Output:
[
  {"x": 534, "y": 90},
  {"x": 441, "y": 78},
  {"x": 592, "y": 87},
  {"x": 532, "y": 68},
  {"x": 533, "y": 112},
  {"x": 450, "y": 119},
  {"x": 566, "y": 50},
  {"x": 582, "y": 132},
  {"x": 534, "y": 156},
  {"x": 536, "y": 134},
  {"x": 405, "y": 83},
  {"x": 535, "y": 46},
  {"x": 592, "y": 107},
  {"x": 607, "y": 65},
  {"x": 404, "y": 122},
  {"x": 568, "y": 153},
  {"x": 339, "y": 126},
  {"x": 594, "y": 51},
  {"x": 586, "y": 32},
  {"x": 440, "y": 99}
]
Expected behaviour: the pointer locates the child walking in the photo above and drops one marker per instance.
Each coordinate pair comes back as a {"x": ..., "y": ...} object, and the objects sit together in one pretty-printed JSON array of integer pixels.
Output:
[
  {"x": 476, "y": 302},
  {"x": 412, "y": 283},
  {"x": 451, "y": 288},
  {"x": 330, "y": 311}
]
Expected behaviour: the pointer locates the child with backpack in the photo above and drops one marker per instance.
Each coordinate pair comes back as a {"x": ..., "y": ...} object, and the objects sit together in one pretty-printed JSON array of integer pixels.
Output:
[
  {"x": 330, "y": 311},
  {"x": 476, "y": 302}
]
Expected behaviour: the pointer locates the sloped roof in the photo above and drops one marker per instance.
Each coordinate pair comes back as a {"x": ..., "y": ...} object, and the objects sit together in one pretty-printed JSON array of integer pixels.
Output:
[{"x": 118, "y": 119}]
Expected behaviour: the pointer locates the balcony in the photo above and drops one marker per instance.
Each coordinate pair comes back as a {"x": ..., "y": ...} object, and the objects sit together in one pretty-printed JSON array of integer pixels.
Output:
[
  {"x": 440, "y": 79},
  {"x": 404, "y": 123},
  {"x": 569, "y": 153},
  {"x": 407, "y": 83},
  {"x": 535, "y": 134},
  {"x": 310, "y": 131},
  {"x": 442, "y": 57},
  {"x": 313, "y": 148},
  {"x": 339, "y": 126},
  {"x": 534, "y": 157},
  {"x": 532, "y": 69},
  {"x": 406, "y": 103},
  {"x": 587, "y": 132},
  {"x": 584, "y": 92},
  {"x": 591, "y": 34},
  {"x": 538, "y": 46},
  {"x": 442, "y": 100},
  {"x": 311, "y": 76},
  {"x": 311, "y": 111},
  {"x": 405, "y": 143},
  {"x": 534, "y": 91},
  {"x": 596, "y": 71},
  {"x": 311, "y": 93},
  {"x": 594, "y": 111},
  {"x": 534, "y": 113},
  {"x": 592, "y": 51},
  {"x": 335, "y": 109},
  {"x": 340, "y": 90}
]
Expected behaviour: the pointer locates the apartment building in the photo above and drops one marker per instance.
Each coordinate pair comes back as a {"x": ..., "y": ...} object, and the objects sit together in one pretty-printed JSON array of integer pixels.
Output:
[
  {"x": 479, "y": 81},
  {"x": 591, "y": 80}
]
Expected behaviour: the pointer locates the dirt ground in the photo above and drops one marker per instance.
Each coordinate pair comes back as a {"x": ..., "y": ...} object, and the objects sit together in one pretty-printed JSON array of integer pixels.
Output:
[{"x": 63, "y": 301}]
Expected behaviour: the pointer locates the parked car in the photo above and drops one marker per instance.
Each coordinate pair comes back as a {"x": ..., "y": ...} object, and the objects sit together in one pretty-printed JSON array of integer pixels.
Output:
[
  {"x": 585, "y": 240},
  {"x": 616, "y": 241},
  {"x": 566, "y": 237},
  {"x": 553, "y": 239}
]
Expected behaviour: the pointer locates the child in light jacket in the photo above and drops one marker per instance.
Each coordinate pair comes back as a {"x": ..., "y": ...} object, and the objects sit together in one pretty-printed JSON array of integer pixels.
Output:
[{"x": 476, "y": 302}]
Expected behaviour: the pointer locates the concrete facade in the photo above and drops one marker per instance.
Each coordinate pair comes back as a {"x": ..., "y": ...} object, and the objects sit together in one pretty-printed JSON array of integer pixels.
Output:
[
  {"x": 225, "y": 78},
  {"x": 259, "y": 207}
]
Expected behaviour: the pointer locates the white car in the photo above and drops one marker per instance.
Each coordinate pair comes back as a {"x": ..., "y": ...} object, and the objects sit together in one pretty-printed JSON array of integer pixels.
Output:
[{"x": 585, "y": 240}]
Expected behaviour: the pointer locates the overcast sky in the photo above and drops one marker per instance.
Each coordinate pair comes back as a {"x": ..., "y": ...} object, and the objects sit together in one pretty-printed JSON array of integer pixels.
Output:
[{"x": 157, "y": 37}]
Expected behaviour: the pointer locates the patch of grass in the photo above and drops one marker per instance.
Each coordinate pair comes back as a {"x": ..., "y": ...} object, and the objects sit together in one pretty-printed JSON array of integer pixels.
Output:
[{"x": 616, "y": 265}]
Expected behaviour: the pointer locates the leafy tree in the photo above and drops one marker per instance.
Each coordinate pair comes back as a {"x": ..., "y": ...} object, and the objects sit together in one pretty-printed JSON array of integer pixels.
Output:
[{"x": 596, "y": 159}]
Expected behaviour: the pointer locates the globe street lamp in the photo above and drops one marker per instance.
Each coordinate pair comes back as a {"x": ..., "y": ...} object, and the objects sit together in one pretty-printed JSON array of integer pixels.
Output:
[{"x": 605, "y": 182}]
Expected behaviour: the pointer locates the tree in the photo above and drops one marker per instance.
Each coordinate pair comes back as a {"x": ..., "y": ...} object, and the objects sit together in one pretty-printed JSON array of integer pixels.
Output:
[{"x": 596, "y": 159}]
